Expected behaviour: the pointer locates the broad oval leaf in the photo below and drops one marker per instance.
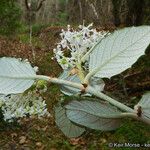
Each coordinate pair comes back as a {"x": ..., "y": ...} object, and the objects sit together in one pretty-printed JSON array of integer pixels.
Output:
[
  {"x": 144, "y": 103},
  {"x": 15, "y": 75},
  {"x": 119, "y": 51},
  {"x": 95, "y": 82},
  {"x": 65, "y": 125},
  {"x": 94, "y": 115}
]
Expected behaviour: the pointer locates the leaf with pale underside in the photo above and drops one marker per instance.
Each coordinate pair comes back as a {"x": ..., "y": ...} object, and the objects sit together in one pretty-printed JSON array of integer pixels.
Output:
[
  {"x": 119, "y": 51},
  {"x": 95, "y": 82},
  {"x": 94, "y": 114},
  {"x": 16, "y": 76},
  {"x": 67, "y": 90},
  {"x": 65, "y": 125},
  {"x": 144, "y": 103}
]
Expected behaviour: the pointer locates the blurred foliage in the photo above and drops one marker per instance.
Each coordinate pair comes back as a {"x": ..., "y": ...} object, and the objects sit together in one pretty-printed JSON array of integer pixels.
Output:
[
  {"x": 24, "y": 38},
  {"x": 63, "y": 1},
  {"x": 9, "y": 16},
  {"x": 146, "y": 12},
  {"x": 62, "y": 17}
]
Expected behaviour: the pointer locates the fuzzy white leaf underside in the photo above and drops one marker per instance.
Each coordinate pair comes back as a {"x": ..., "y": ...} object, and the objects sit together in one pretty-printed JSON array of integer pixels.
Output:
[
  {"x": 95, "y": 82},
  {"x": 119, "y": 51},
  {"x": 67, "y": 90},
  {"x": 65, "y": 125},
  {"x": 91, "y": 114},
  {"x": 15, "y": 75},
  {"x": 145, "y": 104}
]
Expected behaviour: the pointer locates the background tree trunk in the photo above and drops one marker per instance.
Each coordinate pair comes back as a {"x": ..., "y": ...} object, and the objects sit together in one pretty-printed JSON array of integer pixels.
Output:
[
  {"x": 101, "y": 12},
  {"x": 98, "y": 11},
  {"x": 111, "y": 12}
]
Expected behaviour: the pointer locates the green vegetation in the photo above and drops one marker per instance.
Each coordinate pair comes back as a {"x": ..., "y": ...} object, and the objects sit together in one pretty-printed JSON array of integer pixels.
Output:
[
  {"x": 62, "y": 16},
  {"x": 9, "y": 16},
  {"x": 24, "y": 38}
]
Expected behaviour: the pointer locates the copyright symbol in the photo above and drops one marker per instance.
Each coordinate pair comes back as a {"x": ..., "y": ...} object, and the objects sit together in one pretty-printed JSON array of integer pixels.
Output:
[{"x": 110, "y": 144}]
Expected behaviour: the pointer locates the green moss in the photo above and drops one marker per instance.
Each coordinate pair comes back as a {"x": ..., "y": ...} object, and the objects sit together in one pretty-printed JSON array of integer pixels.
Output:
[
  {"x": 131, "y": 132},
  {"x": 48, "y": 66}
]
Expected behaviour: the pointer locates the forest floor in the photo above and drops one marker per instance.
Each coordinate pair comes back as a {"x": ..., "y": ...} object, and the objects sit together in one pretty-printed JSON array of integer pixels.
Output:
[{"x": 43, "y": 134}]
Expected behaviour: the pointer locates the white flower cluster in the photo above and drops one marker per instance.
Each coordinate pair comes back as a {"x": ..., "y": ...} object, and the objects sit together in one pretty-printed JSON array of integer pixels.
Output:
[
  {"x": 18, "y": 106},
  {"x": 77, "y": 42}
]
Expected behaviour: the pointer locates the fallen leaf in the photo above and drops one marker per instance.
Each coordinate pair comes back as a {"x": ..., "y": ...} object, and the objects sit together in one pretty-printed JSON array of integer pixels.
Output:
[
  {"x": 77, "y": 141},
  {"x": 38, "y": 144},
  {"x": 13, "y": 135},
  {"x": 22, "y": 140}
]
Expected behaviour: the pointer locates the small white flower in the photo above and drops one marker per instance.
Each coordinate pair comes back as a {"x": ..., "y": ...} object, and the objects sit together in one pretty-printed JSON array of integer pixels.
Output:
[
  {"x": 18, "y": 106},
  {"x": 77, "y": 42},
  {"x": 36, "y": 69}
]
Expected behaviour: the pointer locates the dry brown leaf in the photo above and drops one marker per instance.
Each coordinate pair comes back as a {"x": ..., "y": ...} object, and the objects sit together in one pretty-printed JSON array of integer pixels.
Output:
[
  {"x": 77, "y": 141},
  {"x": 22, "y": 140}
]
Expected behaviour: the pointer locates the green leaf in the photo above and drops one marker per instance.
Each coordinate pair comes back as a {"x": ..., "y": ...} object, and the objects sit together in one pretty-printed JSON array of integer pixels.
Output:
[
  {"x": 93, "y": 114},
  {"x": 65, "y": 125},
  {"x": 118, "y": 51},
  {"x": 15, "y": 75}
]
